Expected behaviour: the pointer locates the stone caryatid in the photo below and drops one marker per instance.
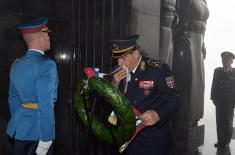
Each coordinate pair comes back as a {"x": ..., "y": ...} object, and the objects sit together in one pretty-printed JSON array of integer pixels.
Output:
[
  {"x": 189, "y": 55},
  {"x": 188, "y": 64}
]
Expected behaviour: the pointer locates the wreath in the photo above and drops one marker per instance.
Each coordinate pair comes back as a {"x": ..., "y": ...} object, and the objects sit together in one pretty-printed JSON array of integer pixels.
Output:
[{"x": 120, "y": 104}]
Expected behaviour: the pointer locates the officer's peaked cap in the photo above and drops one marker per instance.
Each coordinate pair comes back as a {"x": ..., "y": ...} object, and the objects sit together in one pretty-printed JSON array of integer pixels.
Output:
[
  {"x": 227, "y": 54},
  {"x": 123, "y": 46},
  {"x": 38, "y": 25}
]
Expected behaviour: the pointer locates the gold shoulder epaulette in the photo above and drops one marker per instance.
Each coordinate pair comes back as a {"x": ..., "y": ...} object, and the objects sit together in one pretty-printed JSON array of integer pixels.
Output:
[{"x": 155, "y": 62}]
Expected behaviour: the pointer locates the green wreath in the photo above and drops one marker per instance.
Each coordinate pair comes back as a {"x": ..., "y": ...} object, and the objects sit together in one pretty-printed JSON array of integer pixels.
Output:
[{"x": 120, "y": 104}]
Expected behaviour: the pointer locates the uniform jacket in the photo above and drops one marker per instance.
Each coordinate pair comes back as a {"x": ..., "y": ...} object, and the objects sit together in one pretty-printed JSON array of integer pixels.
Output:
[
  {"x": 223, "y": 85},
  {"x": 157, "y": 93},
  {"x": 33, "y": 79}
]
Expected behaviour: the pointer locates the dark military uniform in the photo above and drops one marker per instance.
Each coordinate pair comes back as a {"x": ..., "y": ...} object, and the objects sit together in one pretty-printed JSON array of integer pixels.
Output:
[
  {"x": 152, "y": 88},
  {"x": 223, "y": 96}
]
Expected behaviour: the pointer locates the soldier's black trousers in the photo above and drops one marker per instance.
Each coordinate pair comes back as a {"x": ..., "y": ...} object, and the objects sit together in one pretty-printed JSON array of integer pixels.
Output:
[
  {"x": 224, "y": 123},
  {"x": 28, "y": 148}
]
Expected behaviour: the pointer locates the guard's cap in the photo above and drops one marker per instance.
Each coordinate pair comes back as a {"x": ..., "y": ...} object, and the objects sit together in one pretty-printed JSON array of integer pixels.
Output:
[
  {"x": 38, "y": 25},
  {"x": 122, "y": 47},
  {"x": 227, "y": 54}
]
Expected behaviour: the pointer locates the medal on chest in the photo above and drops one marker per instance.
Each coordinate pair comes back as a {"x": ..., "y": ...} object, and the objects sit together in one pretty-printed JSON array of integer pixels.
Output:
[{"x": 146, "y": 85}]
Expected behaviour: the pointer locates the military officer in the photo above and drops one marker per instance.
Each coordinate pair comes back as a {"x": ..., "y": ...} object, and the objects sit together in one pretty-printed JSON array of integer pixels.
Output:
[
  {"x": 151, "y": 89},
  {"x": 32, "y": 93},
  {"x": 222, "y": 95}
]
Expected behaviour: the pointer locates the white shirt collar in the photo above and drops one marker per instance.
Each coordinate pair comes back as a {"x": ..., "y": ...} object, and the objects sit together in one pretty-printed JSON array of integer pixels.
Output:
[
  {"x": 31, "y": 49},
  {"x": 133, "y": 71}
]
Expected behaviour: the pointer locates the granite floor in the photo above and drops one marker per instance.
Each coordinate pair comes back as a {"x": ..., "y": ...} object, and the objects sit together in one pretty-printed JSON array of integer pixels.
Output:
[{"x": 211, "y": 138}]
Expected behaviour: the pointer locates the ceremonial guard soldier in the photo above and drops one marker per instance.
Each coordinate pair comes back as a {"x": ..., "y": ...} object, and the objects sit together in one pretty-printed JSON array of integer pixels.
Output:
[{"x": 32, "y": 93}]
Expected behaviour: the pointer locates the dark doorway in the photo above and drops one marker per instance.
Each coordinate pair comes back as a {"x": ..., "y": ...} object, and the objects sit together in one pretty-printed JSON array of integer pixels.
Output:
[{"x": 81, "y": 30}]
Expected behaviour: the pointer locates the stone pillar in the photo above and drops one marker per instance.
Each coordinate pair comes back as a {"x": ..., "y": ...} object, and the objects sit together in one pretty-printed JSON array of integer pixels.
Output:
[{"x": 145, "y": 21}]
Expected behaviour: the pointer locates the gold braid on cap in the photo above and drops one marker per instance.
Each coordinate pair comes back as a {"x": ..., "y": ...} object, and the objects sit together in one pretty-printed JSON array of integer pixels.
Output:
[
  {"x": 118, "y": 53},
  {"x": 123, "y": 50}
]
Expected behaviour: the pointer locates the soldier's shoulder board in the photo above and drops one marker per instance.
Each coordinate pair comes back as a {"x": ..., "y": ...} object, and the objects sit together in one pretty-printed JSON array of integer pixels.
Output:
[
  {"x": 155, "y": 62},
  {"x": 219, "y": 68}
]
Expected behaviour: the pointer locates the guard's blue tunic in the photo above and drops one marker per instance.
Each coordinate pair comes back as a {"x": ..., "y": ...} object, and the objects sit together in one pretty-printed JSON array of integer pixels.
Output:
[
  {"x": 33, "y": 79},
  {"x": 152, "y": 88}
]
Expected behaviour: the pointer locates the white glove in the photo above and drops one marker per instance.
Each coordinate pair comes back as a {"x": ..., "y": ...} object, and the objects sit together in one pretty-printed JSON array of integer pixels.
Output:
[{"x": 43, "y": 147}]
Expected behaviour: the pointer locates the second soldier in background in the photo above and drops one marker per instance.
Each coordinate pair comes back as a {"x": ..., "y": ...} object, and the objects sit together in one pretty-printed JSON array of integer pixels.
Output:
[{"x": 223, "y": 97}]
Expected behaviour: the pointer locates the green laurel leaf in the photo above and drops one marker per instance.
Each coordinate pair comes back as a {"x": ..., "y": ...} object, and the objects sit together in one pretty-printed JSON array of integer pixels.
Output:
[{"x": 120, "y": 104}]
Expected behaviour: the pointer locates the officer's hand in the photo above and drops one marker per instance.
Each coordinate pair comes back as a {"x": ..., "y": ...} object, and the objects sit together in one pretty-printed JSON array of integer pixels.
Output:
[
  {"x": 117, "y": 77},
  {"x": 150, "y": 117}
]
